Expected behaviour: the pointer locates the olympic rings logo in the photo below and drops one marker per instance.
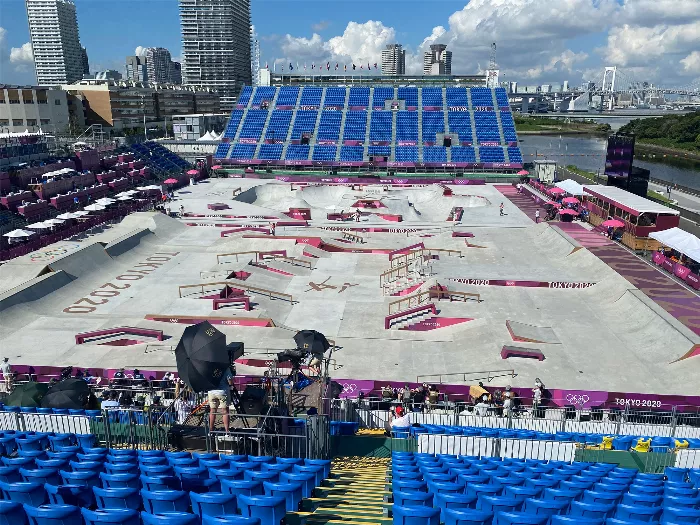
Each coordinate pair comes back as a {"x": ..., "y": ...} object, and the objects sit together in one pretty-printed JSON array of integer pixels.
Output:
[
  {"x": 349, "y": 388},
  {"x": 577, "y": 399}
]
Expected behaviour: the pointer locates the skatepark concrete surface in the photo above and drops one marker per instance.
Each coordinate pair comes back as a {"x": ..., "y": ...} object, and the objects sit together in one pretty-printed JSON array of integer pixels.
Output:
[{"x": 602, "y": 335}]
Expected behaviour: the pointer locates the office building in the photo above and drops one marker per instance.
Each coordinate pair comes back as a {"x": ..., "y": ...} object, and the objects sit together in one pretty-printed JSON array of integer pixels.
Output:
[
  {"x": 33, "y": 108},
  {"x": 175, "y": 73},
  {"x": 136, "y": 69},
  {"x": 53, "y": 31},
  {"x": 216, "y": 46},
  {"x": 393, "y": 60},
  {"x": 437, "y": 61},
  {"x": 86, "y": 62},
  {"x": 123, "y": 104},
  {"x": 193, "y": 127}
]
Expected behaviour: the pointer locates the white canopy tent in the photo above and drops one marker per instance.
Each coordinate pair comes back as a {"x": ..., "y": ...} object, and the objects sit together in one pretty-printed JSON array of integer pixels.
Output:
[
  {"x": 571, "y": 187},
  {"x": 680, "y": 240}
]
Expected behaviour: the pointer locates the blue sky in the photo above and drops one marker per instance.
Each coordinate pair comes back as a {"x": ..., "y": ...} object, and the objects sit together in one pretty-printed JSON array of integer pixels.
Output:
[{"x": 539, "y": 41}]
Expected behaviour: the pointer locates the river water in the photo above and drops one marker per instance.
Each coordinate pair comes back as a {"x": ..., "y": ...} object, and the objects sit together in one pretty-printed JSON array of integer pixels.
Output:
[{"x": 588, "y": 153}]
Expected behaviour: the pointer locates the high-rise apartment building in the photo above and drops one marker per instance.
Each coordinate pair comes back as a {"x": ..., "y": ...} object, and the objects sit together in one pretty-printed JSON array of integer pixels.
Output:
[
  {"x": 216, "y": 46},
  {"x": 393, "y": 60},
  {"x": 136, "y": 69},
  {"x": 158, "y": 62},
  {"x": 437, "y": 61},
  {"x": 86, "y": 62},
  {"x": 53, "y": 31},
  {"x": 175, "y": 73}
]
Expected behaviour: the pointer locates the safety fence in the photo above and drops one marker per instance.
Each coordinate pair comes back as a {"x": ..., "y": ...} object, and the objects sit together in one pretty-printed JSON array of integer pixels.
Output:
[
  {"x": 627, "y": 421},
  {"x": 275, "y": 436},
  {"x": 547, "y": 450},
  {"x": 307, "y": 437}
]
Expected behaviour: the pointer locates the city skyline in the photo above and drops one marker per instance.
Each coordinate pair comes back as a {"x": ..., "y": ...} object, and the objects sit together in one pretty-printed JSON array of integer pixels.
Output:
[{"x": 537, "y": 42}]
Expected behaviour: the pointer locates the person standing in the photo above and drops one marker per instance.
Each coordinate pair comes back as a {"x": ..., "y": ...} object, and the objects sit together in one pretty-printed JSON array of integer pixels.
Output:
[
  {"x": 219, "y": 400},
  {"x": 501, "y": 209},
  {"x": 6, "y": 370},
  {"x": 406, "y": 397},
  {"x": 537, "y": 216}
]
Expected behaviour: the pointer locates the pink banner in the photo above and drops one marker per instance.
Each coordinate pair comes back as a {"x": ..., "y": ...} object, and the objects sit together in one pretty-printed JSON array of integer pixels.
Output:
[
  {"x": 658, "y": 258},
  {"x": 680, "y": 271}
]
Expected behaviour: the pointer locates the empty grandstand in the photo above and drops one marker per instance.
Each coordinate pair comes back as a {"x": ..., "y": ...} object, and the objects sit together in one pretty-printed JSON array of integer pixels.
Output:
[{"x": 410, "y": 127}]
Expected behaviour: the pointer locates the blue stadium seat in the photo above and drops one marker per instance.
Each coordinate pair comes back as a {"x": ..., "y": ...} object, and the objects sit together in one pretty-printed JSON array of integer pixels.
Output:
[
  {"x": 434, "y": 154},
  {"x": 288, "y": 96},
  {"x": 232, "y": 125},
  {"x": 433, "y": 122},
  {"x": 169, "y": 518},
  {"x": 491, "y": 154},
  {"x": 242, "y": 488},
  {"x": 119, "y": 498},
  {"x": 76, "y": 495},
  {"x": 253, "y": 123},
  {"x": 292, "y": 492},
  {"x": 497, "y": 503},
  {"x": 297, "y": 152},
  {"x": 335, "y": 96},
  {"x": 269, "y": 509},
  {"x": 359, "y": 97},
  {"x": 432, "y": 97},
  {"x": 42, "y": 475},
  {"x": 384, "y": 151},
  {"x": 278, "y": 126},
  {"x": 501, "y": 97},
  {"x": 263, "y": 93},
  {"x": 406, "y": 153},
  {"x": 591, "y": 510},
  {"x": 409, "y": 95},
  {"x": 305, "y": 122},
  {"x": 324, "y": 152},
  {"x": 486, "y": 127},
  {"x": 415, "y": 515},
  {"x": 307, "y": 481},
  {"x": 111, "y": 517},
  {"x": 311, "y": 96},
  {"x": 269, "y": 152},
  {"x": 213, "y": 504},
  {"x": 243, "y": 151},
  {"x": 351, "y": 153},
  {"x": 87, "y": 478},
  {"x": 157, "y": 470},
  {"x": 380, "y": 126},
  {"x": 329, "y": 125},
  {"x": 545, "y": 507},
  {"x": 53, "y": 515},
  {"x": 575, "y": 520},
  {"x": 637, "y": 512},
  {"x": 481, "y": 96},
  {"x": 245, "y": 95},
  {"x": 515, "y": 155},
  {"x": 520, "y": 518},
  {"x": 457, "y": 97},
  {"x": 463, "y": 154},
  {"x": 407, "y": 126},
  {"x": 381, "y": 95},
  {"x": 460, "y": 122},
  {"x": 229, "y": 519},
  {"x": 118, "y": 481},
  {"x": 161, "y": 501},
  {"x": 156, "y": 483},
  {"x": 355, "y": 125},
  {"x": 467, "y": 517}
]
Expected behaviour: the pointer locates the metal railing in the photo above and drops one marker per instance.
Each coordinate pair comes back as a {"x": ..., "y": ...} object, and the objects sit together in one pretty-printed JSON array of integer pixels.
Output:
[
  {"x": 623, "y": 422},
  {"x": 216, "y": 286},
  {"x": 268, "y": 435}
]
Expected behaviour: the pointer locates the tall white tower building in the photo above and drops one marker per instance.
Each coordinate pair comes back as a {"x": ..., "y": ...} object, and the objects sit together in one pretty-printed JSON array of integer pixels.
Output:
[
  {"x": 53, "y": 31},
  {"x": 393, "y": 60},
  {"x": 216, "y": 46}
]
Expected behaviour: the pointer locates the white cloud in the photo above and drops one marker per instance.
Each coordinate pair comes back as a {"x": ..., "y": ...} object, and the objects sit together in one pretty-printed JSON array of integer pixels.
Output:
[
  {"x": 140, "y": 50},
  {"x": 538, "y": 41},
  {"x": 360, "y": 43},
  {"x": 22, "y": 55},
  {"x": 691, "y": 63},
  {"x": 320, "y": 26}
]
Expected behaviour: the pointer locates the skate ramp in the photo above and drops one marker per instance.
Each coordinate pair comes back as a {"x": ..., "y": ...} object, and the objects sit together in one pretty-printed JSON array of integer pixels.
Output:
[
  {"x": 127, "y": 241},
  {"x": 273, "y": 196},
  {"x": 161, "y": 225},
  {"x": 553, "y": 242},
  {"x": 34, "y": 289},
  {"x": 13, "y": 275},
  {"x": 80, "y": 263},
  {"x": 530, "y": 333},
  {"x": 640, "y": 323}
]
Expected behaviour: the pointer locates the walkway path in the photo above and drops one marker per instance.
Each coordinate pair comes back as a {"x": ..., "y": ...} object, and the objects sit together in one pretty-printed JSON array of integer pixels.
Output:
[
  {"x": 586, "y": 238},
  {"x": 677, "y": 300},
  {"x": 521, "y": 200},
  {"x": 354, "y": 495}
]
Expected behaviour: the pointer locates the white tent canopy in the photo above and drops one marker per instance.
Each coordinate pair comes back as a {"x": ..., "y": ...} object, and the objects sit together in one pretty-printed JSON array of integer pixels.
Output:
[
  {"x": 18, "y": 234},
  {"x": 571, "y": 187},
  {"x": 680, "y": 240}
]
